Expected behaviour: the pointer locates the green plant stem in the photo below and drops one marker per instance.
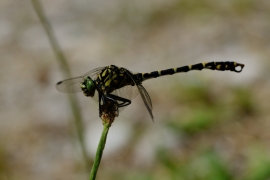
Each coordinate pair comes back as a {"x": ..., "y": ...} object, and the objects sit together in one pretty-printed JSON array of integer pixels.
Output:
[
  {"x": 66, "y": 70},
  {"x": 101, "y": 146}
]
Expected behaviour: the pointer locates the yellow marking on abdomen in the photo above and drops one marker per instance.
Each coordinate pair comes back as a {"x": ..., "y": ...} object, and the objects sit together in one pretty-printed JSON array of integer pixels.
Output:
[
  {"x": 218, "y": 66},
  {"x": 143, "y": 76}
]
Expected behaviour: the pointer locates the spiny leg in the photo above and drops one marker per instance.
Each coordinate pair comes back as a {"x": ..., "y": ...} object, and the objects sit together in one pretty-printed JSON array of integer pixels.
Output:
[
  {"x": 105, "y": 100},
  {"x": 100, "y": 100},
  {"x": 124, "y": 102},
  {"x": 107, "y": 106}
]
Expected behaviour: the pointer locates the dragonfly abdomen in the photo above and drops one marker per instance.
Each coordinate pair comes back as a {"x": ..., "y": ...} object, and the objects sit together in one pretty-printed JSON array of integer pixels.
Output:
[{"x": 220, "y": 66}]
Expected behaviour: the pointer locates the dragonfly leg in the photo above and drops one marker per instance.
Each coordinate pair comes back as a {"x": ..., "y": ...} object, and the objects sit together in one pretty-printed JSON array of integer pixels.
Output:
[
  {"x": 105, "y": 100},
  {"x": 124, "y": 102},
  {"x": 100, "y": 98},
  {"x": 107, "y": 105}
]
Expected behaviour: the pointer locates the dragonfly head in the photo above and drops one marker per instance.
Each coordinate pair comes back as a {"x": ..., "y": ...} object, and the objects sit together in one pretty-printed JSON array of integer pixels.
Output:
[{"x": 88, "y": 86}]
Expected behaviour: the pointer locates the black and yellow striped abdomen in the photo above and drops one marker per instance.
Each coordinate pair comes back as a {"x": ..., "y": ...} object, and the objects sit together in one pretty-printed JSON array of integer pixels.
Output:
[{"x": 220, "y": 66}]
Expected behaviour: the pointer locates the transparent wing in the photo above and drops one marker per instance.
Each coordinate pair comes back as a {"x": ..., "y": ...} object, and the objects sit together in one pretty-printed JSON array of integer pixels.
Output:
[
  {"x": 127, "y": 92},
  {"x": 72, "y": 85},
  {"x": 94, "y": 73},
  {"x": 146, "y": 99},
  {"x": 145, "y": 96}
]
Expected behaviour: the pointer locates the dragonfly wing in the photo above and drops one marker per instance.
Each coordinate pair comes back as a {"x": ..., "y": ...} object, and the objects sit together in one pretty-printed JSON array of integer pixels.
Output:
[
  {"x": 144, "y": 94},
  {"x": 72, "y": 85},
  {"x": 94, "y": 73},
  {"x": 127, "y": 92},
  {"x": 146, "y": 99}
]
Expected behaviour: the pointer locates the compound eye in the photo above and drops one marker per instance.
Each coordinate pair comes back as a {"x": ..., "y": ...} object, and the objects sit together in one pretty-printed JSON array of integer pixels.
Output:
[{"x": 88, "y": 87}]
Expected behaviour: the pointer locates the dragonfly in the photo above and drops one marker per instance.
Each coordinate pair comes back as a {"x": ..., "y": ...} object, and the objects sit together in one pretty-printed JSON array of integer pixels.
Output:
[{"x": 119, "y": 85}]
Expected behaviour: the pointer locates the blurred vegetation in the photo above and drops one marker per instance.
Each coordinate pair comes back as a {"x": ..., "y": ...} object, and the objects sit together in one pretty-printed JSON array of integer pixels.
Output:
[
  {"x": 204, "y": 165},
  {"x": 60, "y": 57},
  {"x": 4, "y": 166},
  {"x": 202, "y": 128},
  {"x": 221, "y": 132}
]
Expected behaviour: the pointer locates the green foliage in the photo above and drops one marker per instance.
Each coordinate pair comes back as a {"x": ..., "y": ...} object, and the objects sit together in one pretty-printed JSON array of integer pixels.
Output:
[
  {"x": 198, "y": 120},
  {"x": 258, "y": 164},
  {"x": 244, "y": 101},
  {"x": 204, "y": 109},
  {"x": 203, "y": 165},
  {"x": 262, "y": 172}
]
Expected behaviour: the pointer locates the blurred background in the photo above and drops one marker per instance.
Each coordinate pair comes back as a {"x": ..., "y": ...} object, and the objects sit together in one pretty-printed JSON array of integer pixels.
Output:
[{"x": 208, "y": 124}]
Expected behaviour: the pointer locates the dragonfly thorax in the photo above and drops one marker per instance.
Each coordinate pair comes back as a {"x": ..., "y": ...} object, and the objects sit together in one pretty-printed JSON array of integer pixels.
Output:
[
  {"x": 88, "y": 86},
  {"x": 112, "y": 78}
]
